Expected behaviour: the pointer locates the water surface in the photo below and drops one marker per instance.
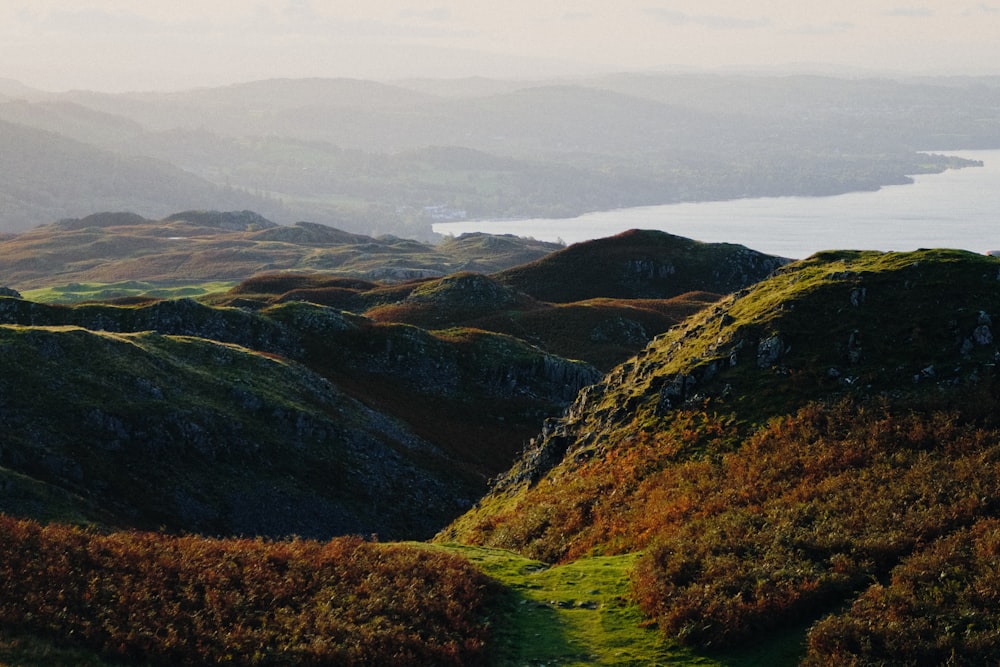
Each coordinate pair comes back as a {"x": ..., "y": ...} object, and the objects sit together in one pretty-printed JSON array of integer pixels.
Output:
[{"x": 959, "y": 208}]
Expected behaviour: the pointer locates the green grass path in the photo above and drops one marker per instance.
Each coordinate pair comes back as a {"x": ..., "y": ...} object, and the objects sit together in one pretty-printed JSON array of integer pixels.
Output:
[
  {"x": 569, "y": 615},
  {"x": 580, "y": 614}
]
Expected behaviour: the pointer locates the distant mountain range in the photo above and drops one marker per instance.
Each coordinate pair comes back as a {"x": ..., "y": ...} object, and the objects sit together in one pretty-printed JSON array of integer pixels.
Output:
[{"x": 375, "y": 158}]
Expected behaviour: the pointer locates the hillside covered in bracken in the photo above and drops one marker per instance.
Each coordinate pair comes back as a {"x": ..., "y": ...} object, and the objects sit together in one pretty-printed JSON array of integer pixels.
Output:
[
  {"x": 821, "y": 446},
  {"x": 636, "y": 450}
]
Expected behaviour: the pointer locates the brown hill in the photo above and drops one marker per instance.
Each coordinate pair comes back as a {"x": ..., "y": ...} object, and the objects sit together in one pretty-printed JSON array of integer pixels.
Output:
[
  {"x": 199, "y": 246},
  {"x": 640, "y": 264}
]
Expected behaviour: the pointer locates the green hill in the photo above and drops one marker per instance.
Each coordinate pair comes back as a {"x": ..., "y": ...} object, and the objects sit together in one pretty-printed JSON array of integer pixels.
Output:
[
  {"x": 177, "y": 377},
  {"x": 821, "y": 447},
  {"x": 193, "y": 247}
]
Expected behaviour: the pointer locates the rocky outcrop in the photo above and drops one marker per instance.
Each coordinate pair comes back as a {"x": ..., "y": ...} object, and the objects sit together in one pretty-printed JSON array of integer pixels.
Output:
[
  {"x": 231, "y": 221},
  {"x": 179, "y": 317},
  {"x": 896, "y": 323}
]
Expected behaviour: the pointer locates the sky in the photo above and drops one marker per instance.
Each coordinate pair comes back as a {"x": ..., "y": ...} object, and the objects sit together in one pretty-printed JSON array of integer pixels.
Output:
[{"x": 117, "y": 45}]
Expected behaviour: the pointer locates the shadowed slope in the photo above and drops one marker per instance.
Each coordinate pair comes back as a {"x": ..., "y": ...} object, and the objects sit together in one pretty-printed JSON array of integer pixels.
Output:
[{"x": 640, "y": 264}]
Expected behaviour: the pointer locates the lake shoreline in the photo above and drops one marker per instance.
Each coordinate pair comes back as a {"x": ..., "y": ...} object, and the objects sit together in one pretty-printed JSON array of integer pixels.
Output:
[{"x": 957, "y": 208}]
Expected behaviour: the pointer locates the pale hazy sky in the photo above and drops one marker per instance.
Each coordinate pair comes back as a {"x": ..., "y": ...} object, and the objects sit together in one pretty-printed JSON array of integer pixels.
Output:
[{"x": 134, "y": 45}]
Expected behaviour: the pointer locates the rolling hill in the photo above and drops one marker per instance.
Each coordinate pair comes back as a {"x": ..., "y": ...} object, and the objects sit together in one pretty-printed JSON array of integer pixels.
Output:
[
  {"x": 377, "y": 158},
  {"x": 600, "y": 301},
  {"x": 819, "y": 448},
  {"x": 640, "y": 264},
  {"x": 802, "y": 471},
  {"x": 46, "y": 176},
  {"x": 198, "y": 246}
]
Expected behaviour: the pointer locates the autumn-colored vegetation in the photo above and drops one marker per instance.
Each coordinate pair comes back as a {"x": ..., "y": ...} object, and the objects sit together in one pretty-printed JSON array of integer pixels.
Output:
[
  {"x": 798, "y": 518},
  {"x": 811, "y": 509},
  {"x": 768, "y": 492},
  {"x": 939, "y": 608},
  {"x": 162, "y": 600}
]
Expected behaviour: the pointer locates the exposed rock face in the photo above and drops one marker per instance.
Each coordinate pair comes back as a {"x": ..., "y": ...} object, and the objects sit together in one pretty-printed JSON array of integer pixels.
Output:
[
  {"x": 769, "y": 351},
  {"x": 982, "y": 334},
  {"x": 200, "y": 436},
  {"x": 180, "y": 317},
  {"x": 915, "y": 323}
]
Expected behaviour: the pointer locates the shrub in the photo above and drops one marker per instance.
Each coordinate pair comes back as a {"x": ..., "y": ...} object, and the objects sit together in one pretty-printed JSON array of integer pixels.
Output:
[
  {"x": 809, "y": 511},
  {"x": 168, "y": 600},
  {"x": 941, "y": 606}
]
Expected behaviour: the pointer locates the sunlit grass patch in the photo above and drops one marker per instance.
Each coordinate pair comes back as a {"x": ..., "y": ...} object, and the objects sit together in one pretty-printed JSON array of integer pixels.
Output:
[
  {"x": 77, "y": 292},
  {"x": 575, "y": 614}
]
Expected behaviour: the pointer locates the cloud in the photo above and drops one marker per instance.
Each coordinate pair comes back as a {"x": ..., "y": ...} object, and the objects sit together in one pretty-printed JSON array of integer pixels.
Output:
[
  {"x": 300, "y": 11},
  {"x": 834, "y": 28},
  {"x": 712, "y": 21},
  {"x": 910, "y": 12},
  {"x": 93, "y": 21},
  {"x": 439, "y": 14}
]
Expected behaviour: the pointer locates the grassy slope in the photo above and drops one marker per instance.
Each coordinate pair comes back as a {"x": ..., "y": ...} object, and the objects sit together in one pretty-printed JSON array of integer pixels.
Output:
[
  {"x": 129, "y": 289},
  {"x": 581, "y": 613},
  {"x": 651, "y": 453},
  {"x": 198, "y": 247},
  {"x": 244, "y": 442}
]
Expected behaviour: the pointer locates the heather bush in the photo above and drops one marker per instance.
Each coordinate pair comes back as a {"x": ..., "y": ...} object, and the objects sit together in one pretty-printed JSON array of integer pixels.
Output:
[
  {"x": 810, "y": 510},
  {"x": 157, "y": 599},
  {"x": 941, "y": 607}
]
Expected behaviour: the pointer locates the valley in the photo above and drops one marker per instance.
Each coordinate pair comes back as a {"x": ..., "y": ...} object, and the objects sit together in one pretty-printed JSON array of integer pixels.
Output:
[
  {"x": 395, "y": 158},
  {"x": 635, "y": 450}
]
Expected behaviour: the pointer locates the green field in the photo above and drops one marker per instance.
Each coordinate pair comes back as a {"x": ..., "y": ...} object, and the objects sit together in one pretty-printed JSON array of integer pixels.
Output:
[{"x": 77, "y": 292}]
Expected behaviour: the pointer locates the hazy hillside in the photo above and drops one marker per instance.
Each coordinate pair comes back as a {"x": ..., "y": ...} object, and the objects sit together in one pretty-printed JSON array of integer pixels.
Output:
[
  {"x": 46, "y": 176},
  {"x": 378, "y": 158},
  {"x": 819, "y": 447}
]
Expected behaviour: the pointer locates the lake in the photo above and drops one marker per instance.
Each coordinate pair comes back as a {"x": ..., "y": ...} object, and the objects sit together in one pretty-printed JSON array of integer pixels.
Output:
[{"x": 956, "y": 209}]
